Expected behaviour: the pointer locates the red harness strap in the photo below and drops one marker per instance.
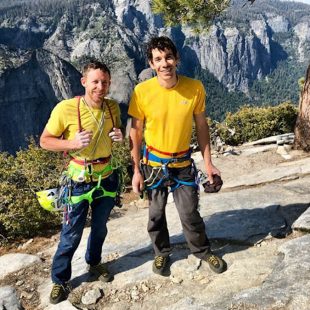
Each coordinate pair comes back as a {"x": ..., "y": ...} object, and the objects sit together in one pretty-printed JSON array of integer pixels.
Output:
[
  {"x": 172, "y": 155},
  {"x": 98, "y": 161},
  {"x": 79, "y": 113},
  {"x": 65, "y": 153},
  {"x": 95, "y": 161}
]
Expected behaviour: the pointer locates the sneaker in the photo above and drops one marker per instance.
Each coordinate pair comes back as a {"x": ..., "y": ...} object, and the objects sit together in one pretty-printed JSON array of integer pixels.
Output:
[
  {"x": 101, "y": 271},
  {"x": 216, "y": 264},
  {"x": 59, "y": 293},
  {"x": 160, "y": 265}
]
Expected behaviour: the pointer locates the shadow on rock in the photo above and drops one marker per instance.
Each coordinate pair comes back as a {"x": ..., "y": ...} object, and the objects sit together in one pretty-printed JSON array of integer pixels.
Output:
[
  {"x": 243, "y": 228},
  {"x": 250, "y": 226}
]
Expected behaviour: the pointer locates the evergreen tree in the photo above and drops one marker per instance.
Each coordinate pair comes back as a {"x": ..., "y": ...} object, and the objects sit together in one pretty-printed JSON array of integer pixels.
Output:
[{"x": 196, "y": 13}]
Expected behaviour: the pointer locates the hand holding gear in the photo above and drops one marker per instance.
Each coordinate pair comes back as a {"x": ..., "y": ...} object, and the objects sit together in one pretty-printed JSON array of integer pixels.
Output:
[{"x": 215, "y": 186}]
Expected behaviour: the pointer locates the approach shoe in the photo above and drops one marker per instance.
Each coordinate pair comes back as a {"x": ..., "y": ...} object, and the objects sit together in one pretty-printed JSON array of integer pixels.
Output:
[
  {"x": 101, "y": 271},
  {"x": 216, "y": 264},
  {"x": 160, "y": 265},
  {"x": 59, "y": 293}
]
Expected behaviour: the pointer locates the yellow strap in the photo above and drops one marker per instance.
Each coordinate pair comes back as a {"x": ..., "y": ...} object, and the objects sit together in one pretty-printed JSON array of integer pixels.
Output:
[{"x": 80, "y": 173}]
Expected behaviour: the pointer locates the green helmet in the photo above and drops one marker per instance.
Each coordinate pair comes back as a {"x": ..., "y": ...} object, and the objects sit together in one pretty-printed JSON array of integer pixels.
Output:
[{"x": 48, "y": 199}]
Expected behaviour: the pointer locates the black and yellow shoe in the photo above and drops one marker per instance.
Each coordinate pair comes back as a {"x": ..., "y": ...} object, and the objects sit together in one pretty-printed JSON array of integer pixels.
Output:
[
  {"x": 59, "y": 293},
  {"x": 216, "y": 263},
  {"x": 101, "y": 271},
  {"x": 160, "y": 265}
]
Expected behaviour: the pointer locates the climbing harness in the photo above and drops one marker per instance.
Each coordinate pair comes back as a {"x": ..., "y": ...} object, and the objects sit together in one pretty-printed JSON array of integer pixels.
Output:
[
  {"x": 160, "y": 175},
  {"x": 149, "y": 155},
  {"x": 85, "y": 173},
  {"x": 60, "y": 199},
  {"x": 89, "y": 195},
  {"x": 82, "y": 170}
]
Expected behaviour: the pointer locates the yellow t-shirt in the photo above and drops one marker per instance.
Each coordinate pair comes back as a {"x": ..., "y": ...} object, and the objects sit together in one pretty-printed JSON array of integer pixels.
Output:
[
  {"x": 64, "y": 122},
  {"x": 168, "y": 113}
]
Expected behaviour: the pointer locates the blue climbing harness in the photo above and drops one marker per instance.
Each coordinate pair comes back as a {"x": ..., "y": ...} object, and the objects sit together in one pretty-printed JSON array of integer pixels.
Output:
[{"x": 152, "y": 181}]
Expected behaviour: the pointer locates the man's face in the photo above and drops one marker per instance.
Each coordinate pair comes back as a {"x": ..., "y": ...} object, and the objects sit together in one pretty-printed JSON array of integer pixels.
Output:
[
  {"x": 164, "y": 63},
  {"x": 96, "y": 83}
]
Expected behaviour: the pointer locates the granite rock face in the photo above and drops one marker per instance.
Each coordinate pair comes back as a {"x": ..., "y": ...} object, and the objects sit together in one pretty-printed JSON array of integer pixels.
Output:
[
  {"x": 260, "y": 229},
  {"x": 8, "y": 299},
  {"x": 31, "y": 83},
  {"x": 241, "y": 47},
  {"x": 288, "y": 285}
]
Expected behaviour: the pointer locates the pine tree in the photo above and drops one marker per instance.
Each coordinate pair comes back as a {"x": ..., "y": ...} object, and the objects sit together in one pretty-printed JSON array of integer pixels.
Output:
[{"x": 196, "y": 13}]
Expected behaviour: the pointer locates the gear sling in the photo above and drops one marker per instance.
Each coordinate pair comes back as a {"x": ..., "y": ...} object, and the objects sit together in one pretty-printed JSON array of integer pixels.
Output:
[
  {"x": 162, "y": 172},
  {"x": 88, "y": 164}
]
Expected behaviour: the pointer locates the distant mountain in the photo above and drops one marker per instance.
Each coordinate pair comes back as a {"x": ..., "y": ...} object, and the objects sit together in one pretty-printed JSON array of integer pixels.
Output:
[
  {"x": 253, "y": 55},
  {"x": 31, "y": 82}
]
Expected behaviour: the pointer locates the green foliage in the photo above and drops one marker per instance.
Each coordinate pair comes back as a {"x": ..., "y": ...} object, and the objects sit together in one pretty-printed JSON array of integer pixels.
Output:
[
  {"x": 284, "y": 78},
  {"x": 121, "y": 153},
  {"x": 282, "y": 85},
  {"x": 295, "y": 12},
  {"x": 253, "y": 123},
  {"x": 301, "y": 83},
  {"x": 219, "y": 100},
  {"x": 194, "y": 141},
  {"x": 32, "y": 170},
  {"x": 196, "y": 13}
]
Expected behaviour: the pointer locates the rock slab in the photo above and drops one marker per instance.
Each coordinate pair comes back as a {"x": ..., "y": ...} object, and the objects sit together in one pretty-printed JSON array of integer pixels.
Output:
[
  {"x": 13, "y": 262},
  {"x": 8, "y": 299}
]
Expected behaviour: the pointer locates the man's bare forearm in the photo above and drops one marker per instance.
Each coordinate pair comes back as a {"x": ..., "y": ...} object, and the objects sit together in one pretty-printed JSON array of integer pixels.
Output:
[{"x": 135, "y": 143}]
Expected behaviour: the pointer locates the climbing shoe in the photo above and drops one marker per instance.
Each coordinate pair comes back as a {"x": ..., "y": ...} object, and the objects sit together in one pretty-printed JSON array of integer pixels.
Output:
[
  {"x": 59, "y": 293},
  {"x": 160, "y": 265},
  {"x": 216, "y": 264},
  {"x": 101, "y": 272}
]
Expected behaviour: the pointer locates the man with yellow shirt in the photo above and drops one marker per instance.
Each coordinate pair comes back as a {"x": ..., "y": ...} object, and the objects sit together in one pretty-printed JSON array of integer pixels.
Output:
[
  {"x": 165, "y": 106},
  {"x": 85, "y": 128}
]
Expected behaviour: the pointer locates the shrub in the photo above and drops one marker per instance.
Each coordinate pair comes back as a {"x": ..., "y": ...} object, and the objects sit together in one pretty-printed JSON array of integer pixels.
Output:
[
  {"x": 253, "y": 123},
  {"x": 212, "y": 131},
  {"x": 32, "y": 170},
  {"x": 121, "y": 154}
]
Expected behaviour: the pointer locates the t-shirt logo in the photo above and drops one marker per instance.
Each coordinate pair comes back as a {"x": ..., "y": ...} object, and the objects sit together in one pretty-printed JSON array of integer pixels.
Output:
[{"x": 184, "y": 102}]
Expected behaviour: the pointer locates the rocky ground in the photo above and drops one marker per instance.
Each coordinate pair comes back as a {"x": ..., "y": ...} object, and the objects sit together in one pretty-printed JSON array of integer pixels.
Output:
[{"x": 258, "y": 223}]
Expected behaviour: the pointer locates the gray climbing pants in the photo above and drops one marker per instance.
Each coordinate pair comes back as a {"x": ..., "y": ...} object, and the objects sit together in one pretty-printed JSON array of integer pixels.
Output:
[{"x": 186, "y": 201}]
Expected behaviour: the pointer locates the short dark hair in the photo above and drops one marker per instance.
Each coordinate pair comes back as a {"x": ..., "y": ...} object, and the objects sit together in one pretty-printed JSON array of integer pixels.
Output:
[
  {"x": 161, "y": 43},
  {"x": 95, "y": 64}
]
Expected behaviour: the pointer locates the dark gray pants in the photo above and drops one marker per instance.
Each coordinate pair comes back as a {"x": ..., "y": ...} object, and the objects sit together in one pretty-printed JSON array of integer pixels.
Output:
[{"x": 186, "y": 201}]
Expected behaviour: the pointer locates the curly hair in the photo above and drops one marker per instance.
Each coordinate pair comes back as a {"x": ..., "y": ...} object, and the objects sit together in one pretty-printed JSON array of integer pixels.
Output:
[{"x": 160, "y": 43}]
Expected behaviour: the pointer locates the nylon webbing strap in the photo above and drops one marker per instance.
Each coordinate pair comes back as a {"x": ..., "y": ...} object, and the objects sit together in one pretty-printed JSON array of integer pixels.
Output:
[
  {"x": 149, "y": 156},
  {"x": 113, "y": 123},
  {"x": 171, "y": 154},
  {"x": 79, "y": 114}
]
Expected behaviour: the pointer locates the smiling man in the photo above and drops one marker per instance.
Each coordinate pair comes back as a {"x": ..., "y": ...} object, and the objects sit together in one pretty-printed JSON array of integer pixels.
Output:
[
  {"x": 85, "y": 128},
  {"x": 165, "y": 107}
]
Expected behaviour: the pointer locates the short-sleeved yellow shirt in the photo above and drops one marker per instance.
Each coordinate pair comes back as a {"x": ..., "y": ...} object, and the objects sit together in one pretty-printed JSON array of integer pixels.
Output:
[
  {"x": 64, "y": 122},
  {"x": 168, "y": 113}
]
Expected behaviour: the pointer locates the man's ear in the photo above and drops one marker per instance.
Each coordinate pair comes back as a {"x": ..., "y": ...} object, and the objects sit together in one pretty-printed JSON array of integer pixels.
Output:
[{"x": 83, "y": 81}]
